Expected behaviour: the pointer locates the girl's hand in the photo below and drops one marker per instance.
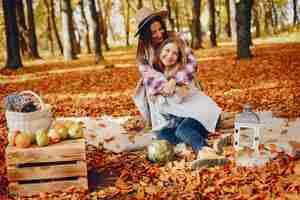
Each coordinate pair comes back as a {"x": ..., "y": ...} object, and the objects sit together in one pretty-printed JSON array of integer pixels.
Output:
[
  {"x": 169, "y": 88},
  {"x": 182, "y": 91}
]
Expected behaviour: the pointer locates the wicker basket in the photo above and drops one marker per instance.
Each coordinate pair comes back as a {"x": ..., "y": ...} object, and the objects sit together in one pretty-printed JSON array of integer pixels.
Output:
[{"x": 31, "y": 121}]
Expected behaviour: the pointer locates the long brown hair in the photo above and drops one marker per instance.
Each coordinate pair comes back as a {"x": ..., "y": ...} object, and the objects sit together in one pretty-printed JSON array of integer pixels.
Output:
[{"x": 145, "y": 49}]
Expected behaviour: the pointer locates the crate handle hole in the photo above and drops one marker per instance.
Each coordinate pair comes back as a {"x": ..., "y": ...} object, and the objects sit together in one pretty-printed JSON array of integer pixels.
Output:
[
  {"x": 48, "y": 180},
  {"x": 41, "y": 164}
]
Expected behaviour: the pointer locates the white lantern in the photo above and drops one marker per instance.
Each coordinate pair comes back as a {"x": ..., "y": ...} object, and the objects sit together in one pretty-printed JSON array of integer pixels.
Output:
[{"x": 247, "y": 120}]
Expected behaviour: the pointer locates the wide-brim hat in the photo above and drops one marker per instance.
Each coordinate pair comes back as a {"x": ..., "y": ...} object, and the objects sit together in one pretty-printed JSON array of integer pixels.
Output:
[{"x": 145, "y": 14}]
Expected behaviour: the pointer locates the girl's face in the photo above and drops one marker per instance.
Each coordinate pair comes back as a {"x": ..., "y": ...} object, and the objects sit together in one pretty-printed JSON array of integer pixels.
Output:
[
  {"x": 169, "y": 54},
  {"x": 157, "y": 33}
]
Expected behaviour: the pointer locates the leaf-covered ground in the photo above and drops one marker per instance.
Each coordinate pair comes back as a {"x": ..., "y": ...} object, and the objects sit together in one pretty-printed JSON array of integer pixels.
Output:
[{"x": 269, "y": 81}]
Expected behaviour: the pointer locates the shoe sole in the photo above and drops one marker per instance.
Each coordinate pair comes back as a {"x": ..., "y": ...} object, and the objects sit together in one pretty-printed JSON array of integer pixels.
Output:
[
  {"x": 209, "y": 162},
  {"x": 220, "y": 143}
]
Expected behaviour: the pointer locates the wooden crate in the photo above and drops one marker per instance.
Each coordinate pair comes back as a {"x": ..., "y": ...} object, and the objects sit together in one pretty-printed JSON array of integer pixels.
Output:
[{"x": 46, "y": 169}]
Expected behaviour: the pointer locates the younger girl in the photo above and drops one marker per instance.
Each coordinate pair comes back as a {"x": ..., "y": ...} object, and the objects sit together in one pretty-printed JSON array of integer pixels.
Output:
[
  {"x": 172, "y": 59},
  {"x": 190, "y": 113}
]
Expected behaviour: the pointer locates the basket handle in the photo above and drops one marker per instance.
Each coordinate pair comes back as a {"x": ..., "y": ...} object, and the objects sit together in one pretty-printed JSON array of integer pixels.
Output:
[{"x": 43, "y": 106}]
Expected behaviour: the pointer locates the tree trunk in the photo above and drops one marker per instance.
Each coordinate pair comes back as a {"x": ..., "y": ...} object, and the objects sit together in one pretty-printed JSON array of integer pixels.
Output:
[
  {"x": 187, "y": 15},
  {"x": 196, "y": 25},
  {"x": 107, "y": 18},
  {"x": 140, "y": 4},
  {"x": 274, "y": 11},
  {"x": 23, "y": 31},
  {"x": 227, "y": 26},
  {"x": 69, "y": 51},
  {"x": 162, "y": 3},
  {"x": 177, "y": 16},
  {"x": 13, "y": 58},
  {"x": 103, "y": 27},
  {"x": 74, "y": 40},
  {"x": 268, "y": 17},
  {"x": 295, "y": 18},
  {"x": 31, "y": 31},
  {"x": 233, "y": 25},
  {"x": 86, "y": 37},
  {"x": 127, "y": 22},
  {"x": 49, "y": 29},
  {"x": 283, "y": 19},
  {"x": 96, "y": 31},
  {"x": 219, "y": 19},
  {"x": 169, "y": 15},
  {"x": 153, "y": 4},
  {"x": 59, "y": 43},
  {"x": 256, "y": 20},
  {"x": 243, "y": 19},
  {"x": 212, "y": 23}
]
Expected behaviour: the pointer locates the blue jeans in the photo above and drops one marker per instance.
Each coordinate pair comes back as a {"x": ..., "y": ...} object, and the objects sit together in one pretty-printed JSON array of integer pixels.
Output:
[{"x": 189, "y": 131}]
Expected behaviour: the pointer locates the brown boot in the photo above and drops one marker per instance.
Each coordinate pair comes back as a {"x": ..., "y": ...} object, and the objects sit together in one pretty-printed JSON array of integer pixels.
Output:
[
  {"x": 208, "y": 157},
  {"x": 220, "y": 143}
]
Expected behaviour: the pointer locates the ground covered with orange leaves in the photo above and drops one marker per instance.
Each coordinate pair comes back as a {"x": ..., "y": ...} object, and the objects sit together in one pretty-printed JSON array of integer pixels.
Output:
[{"x": 269, "y": 81}]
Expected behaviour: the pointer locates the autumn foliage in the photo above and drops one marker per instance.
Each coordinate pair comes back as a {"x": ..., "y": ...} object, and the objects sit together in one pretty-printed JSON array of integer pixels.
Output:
[{"x": 269, "y": 81}]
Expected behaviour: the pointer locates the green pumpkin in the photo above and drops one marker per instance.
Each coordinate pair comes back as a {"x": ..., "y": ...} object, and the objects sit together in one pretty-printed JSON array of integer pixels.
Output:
[
  {"x": 32, "y": 137},
  {"x": 23, "y": 140},
  {"x": 68, "y": 123},
  {"x": 160, "y": 151},
  {"x": 75, "y": 131},
  {"x": 62, "y": 131},
  {"x": 42, "y": 138}
]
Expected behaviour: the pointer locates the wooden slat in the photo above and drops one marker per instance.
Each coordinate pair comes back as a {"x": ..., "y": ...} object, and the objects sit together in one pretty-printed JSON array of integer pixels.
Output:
[
  {"x": 36, "y": 188},
  {"x": 47, "y": 172},
  {"x": 67, "y": 150}
]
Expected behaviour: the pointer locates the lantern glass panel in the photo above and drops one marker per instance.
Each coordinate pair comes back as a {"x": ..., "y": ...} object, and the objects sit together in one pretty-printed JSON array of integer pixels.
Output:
[{"x": 247, "y": 120}]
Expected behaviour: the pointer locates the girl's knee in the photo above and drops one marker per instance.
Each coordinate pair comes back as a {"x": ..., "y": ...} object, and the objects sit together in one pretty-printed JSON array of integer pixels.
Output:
[{"x": 168, "y": 134}]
